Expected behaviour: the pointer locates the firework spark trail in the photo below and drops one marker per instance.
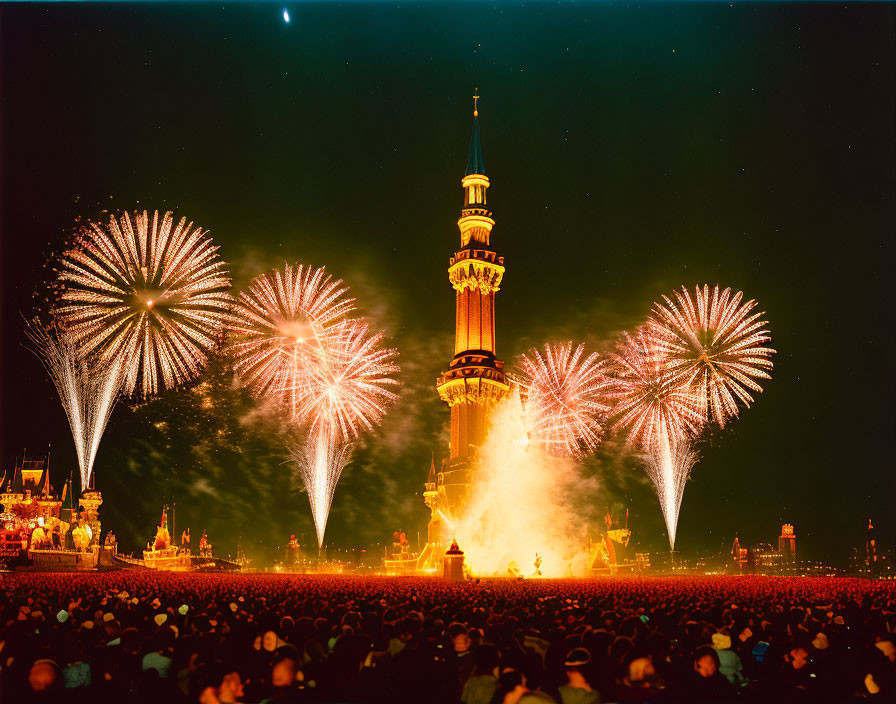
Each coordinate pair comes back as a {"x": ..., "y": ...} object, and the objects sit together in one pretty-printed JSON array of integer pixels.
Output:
[
  {"x": 563, "y": 393},
  {"x": 661, "y": 416},
  {"x": 87, "y": 387},
  {"x": 320, "y": 461},
  {"x": 281, "y": 323},
  {"x": 714, "y": 345},
  {"x": 147, "y": 293},
  {"x": 344, "y": 391},
  {"x": 668, "y": 463}
]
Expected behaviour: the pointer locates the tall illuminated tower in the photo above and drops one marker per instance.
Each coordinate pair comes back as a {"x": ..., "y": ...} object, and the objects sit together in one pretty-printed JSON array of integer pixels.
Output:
[
  {"x": 475, "y": 381},
  {"x": 787, "y": 543}
]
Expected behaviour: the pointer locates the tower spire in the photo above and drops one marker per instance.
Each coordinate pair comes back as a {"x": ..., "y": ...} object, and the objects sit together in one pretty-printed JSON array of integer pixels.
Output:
[
  {"x": 431, "y": 479},
  {"x": 475, "y": 161}
]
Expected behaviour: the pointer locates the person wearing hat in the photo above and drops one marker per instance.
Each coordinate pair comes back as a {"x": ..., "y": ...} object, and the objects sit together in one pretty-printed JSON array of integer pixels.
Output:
[
  {"x": 730, "y": 664},
  {"x": 578, "y": 689}
]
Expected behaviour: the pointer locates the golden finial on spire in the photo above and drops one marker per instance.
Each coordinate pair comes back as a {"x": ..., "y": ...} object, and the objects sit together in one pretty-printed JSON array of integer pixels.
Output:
[{"x": 475, "y": 102}]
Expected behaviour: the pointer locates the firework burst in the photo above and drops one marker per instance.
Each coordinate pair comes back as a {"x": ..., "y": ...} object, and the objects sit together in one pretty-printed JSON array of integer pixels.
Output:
[
  {"x": 87, "y": 387},
  {"x": 349, "y": 388},
  {"x": 147, "y": 294},
  {"x": 282, "y": 323},
  {"x": 563, "y": 393},
  {"x": 649, "y": 400},
  {"x": 714, "y": 345}
]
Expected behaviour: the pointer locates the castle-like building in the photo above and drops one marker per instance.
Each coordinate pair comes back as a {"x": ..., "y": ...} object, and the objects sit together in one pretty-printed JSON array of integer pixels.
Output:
[
  {"x": 474, "y": 382},
  {"x": 29, "y": 500},
  {"x": 27, "y": 491}
]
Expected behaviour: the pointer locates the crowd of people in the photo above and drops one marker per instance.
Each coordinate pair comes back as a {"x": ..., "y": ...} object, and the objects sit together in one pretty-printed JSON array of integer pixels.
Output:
[{"x": 166, "y": 637}]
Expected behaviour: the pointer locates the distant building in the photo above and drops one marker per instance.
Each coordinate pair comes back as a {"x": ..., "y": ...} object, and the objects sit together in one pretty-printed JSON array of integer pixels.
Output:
[
  {"x": 767, "y": 558},
  {"x": 763, "y": 557},
  {"x": 787, "y": 543}
]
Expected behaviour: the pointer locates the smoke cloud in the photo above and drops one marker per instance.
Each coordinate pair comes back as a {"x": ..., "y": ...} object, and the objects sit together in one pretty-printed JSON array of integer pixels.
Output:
[{"x": 526, "y": 504}]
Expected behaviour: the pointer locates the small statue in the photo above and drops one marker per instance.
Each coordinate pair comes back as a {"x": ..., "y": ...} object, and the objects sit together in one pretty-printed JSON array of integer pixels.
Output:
[
  {"x": 294, "y": 550},
  {"x": 82, "y": 534},
  {"x": 38, "y": 538},
  {"x": 205, "y": 547}
]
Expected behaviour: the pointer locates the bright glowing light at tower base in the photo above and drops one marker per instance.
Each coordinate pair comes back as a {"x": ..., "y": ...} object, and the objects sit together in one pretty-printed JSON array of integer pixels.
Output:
[{"x": 524, "y": 503}]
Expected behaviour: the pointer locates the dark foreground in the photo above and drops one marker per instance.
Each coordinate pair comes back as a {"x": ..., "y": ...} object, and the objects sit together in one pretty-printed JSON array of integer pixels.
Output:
[{"x": 189, "y": 638}]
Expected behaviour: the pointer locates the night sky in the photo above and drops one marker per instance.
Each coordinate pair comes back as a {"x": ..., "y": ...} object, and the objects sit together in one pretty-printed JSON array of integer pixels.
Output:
[{"x": 631, "y": 149}]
